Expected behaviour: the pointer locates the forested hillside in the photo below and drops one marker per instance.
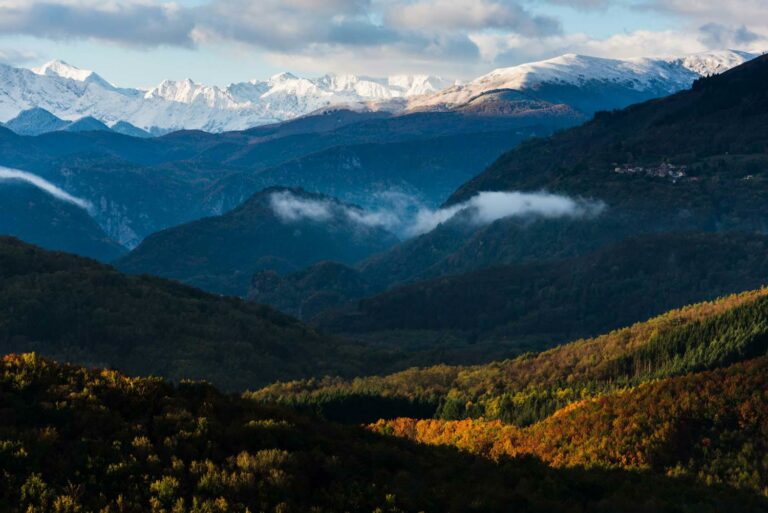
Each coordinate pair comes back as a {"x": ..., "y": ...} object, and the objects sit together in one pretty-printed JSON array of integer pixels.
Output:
[
  {"x": 533, "y": 386},
  {"x": 709, "y": 425},
  {"x": 545, "y": 303},
  {"x": 279, "y": 229},
  {"x": 38, "y": 217},
  {"x": 80, "y": 311},
  {"x": 646, "y": 146},
  {"x": 77, "y": 440}
]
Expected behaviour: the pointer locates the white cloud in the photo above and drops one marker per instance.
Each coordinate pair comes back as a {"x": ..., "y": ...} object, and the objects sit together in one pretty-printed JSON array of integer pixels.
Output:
[
  {"x": 458, "y": 38},
  {"x": 8, "y": 174},
  {"x": 407, "y": 217},
  {"x": 435, "y": 15},
  {"x": 347, "y": 35},
  {"x": 716, "y": 35},
  {"x": 290, "y": 208},
  {"x": 487, "y": 207},
  {"x": 734, "y": 12},
  {"x": 507, "y": 50},
  {"x": 141, "y": 23}
]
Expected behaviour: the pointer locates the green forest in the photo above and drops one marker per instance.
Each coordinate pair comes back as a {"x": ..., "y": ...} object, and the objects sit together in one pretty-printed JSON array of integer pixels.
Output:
[{"x": 531, "y": 387}]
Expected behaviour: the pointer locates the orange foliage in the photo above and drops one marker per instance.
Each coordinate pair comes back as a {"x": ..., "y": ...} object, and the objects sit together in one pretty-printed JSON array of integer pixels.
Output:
[{"x": 711, "y": 424}]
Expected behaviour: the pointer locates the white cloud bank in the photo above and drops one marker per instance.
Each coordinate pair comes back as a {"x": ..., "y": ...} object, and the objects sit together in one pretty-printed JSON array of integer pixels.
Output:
[
  {"x": 8, "y": 174},
  {"x": 487, "y": 207},
  {"x": 401, "y": 217},
  {"x": 291, "y": 208}
]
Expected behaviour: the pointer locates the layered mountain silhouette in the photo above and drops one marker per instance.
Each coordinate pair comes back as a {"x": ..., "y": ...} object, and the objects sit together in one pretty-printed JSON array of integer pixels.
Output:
[{"x": 277, "y": 229}]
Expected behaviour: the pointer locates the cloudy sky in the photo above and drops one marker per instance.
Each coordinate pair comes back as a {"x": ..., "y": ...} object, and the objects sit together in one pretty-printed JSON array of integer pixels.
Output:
[{"x": 140, "y": 42}]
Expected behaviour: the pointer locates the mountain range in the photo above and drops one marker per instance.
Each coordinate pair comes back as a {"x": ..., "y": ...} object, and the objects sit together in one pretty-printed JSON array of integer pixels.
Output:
[
  {"x": 72, "y": 93},
  {"x": 583, "y": 84},
  {"x": 588, "y": 84},
  {"x": 657, "y": 182},
  {"x": 193, "y": 174},
  {"x": 410, "y": 160},
  {"x": 37, "y": 121},
  {"x": 485, "y": 302}
]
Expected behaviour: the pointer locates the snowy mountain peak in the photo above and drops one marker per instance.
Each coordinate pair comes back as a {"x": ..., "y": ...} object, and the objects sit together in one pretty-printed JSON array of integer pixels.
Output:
[
  {"x": 570, "y": 68},
  {"x": 61, "y": 69},
  {"x": 282, "y": 77},
  {"x": 416, "y": 85},
  {"x": 71, "y": 93},
  {"x": 188, "y": 91},
  {"x": 713, "y": 63},
  {"x": 642, "y": 75}
]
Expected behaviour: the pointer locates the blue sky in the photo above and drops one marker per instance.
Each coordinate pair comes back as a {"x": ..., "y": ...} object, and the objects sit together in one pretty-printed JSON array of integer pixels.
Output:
[{"x": 141, "y": 42}]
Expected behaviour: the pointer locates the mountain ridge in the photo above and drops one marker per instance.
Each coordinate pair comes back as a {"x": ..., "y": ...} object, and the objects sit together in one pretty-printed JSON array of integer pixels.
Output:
[
  {"x": 70, "y": 93},
  {"x": 277, "y": 228},
  {"x": 642, "y": 79}
]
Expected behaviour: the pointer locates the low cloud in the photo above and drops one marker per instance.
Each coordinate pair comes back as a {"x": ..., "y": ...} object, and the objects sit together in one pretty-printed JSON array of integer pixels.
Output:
[
  {"x": 487, "y": 207},
  {"x": 407, "y": 217},
  {"x": 8, "y": 174},
  {"x": 291, "y": 208}
]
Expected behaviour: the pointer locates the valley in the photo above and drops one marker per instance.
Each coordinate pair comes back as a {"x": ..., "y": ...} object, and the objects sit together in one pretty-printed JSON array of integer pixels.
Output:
[{"x": 541, "y": 289}]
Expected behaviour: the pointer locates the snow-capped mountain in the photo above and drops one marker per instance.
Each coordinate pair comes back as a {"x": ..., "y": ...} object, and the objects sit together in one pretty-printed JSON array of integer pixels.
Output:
[
  {"x": 583, "y": 83},
  {"x": 72, "y": 93},
  {"x": 558, "y": 78}
]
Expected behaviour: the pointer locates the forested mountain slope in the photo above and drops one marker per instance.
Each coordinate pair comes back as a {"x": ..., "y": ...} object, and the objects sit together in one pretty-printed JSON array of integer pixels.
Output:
[
  {"x": 533, "y": 386},
  {"x": 38, "y": 217},
  {"x": 569, "y": 298},
  {"x": 278, "y": 229},
  {"x": 95, "y": 440},
  {"x": 710, "y": 425},
  {"x": 715, "y": 133},
  {"x": 80, "y": 311}
]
